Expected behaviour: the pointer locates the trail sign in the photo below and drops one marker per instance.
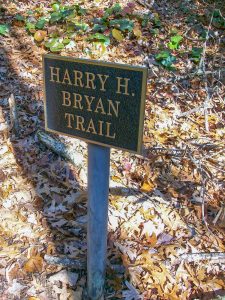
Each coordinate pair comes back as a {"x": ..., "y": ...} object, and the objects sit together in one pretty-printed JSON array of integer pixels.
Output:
[{"x": 100, "y": 102}]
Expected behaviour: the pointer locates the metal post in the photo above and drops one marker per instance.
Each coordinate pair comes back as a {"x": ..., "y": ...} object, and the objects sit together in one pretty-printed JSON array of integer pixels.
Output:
[{"x": 98, "y": 191}]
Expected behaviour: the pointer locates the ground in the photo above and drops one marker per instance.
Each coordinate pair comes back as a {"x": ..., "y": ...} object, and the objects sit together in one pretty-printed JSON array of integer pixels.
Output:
[{"x": 166, "y": 206}]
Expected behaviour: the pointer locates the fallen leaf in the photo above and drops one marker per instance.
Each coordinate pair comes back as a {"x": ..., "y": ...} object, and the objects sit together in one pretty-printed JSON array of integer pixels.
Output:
[
  {"x": 147, "y": 186},
  {"x": 137, "y": 32},
  {"x": 117, "y": 35},
  {"x": 152, "y": 240},
  {"x": 40, "y": 35},
  {"x": 34, "y": 264}
]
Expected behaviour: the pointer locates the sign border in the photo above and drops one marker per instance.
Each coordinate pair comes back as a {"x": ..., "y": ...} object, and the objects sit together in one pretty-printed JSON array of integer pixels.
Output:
[{"x": 144, "y": 71}]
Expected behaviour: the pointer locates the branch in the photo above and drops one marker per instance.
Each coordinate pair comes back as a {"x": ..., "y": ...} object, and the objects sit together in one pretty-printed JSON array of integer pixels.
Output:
[
  {"x": 13, "y": 115},
  {"x": 59, "y": 148},
  {"x": 65, "y": 262}
]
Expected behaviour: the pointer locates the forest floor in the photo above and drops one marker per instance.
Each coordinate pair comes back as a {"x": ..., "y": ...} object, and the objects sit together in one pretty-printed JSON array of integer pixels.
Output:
[{"x": 166, "y": 206}]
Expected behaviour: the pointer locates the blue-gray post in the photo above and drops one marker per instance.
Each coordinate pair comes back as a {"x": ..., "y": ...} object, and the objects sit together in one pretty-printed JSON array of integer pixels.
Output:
[{"x": 98, "y": 192}]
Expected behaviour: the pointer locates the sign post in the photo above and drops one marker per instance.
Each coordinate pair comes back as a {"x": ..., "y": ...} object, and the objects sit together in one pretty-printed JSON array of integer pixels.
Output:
[
  {"x": 98, "y": 190},
  {"x": 103, "y": 104}
]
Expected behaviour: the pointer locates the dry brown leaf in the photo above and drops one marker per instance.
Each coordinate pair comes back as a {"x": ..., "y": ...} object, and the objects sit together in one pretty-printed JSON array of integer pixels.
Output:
[
  {"x": 152, "y": 240},
  {"x": 147, "y": 186},
  {"x": 34, "y": 264},
  {"x": 137, "y": 32},
  {"x": 51, "y": 249}
]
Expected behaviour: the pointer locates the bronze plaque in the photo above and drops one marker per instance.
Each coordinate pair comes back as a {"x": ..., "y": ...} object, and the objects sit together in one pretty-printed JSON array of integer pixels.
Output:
[{"x": 98, "y": 102}]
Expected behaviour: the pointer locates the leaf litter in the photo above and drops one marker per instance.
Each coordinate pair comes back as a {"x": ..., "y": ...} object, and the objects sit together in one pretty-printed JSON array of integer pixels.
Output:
[{"x": 166, "y": 208}]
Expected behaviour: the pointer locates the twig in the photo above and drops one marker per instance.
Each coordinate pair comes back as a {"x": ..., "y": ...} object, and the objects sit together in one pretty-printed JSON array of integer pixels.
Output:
[{"x": 218, "y": 215}]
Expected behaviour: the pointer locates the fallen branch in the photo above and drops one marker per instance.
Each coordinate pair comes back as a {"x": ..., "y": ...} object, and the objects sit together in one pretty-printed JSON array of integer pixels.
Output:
[
  {"x": 166, "y": 151},
  {"x": 59, "y": 148},
  {"x": 14, "y": 126},
  {"x": 195, "y": 257},
  {"x": 65, "y": 262}
]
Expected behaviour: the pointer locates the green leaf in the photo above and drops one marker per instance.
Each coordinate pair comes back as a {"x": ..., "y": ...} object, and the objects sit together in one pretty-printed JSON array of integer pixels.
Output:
[
  {"x": 79, "y": 10},
  {"x": 116, "y": 9},
  {"x": 156, "y": 21},
  {"x": 165, "y": 58},
  {"x": 81, "y": 26},
  {"x": 41, "y": 23},
  {"x": 19, "y": 17},
  {"x": 196, "y": 54},
  {"x": 70, "y": 28},
  {"x": 145, "y": 20},
  {"x": 55, "y": 17},
  {"x": 122, "y": 24},
  {"x": 66, "y": 13},
  {"x": 98, "y": 37},
  {"x": 55, "y": 6},
  {"x": 30, "y": 27},
  {"x": 218, "y": 20},
  {"x": 66, "y": 41},
  {"x": 4, "y": 29},
  {"x": 99, "y": 27},
  {"x": 54, "y": 45},
  {"x": 174, "y": 42},
  {"x": 162, "y": 55},
  {"x": 30, "y": 12}
]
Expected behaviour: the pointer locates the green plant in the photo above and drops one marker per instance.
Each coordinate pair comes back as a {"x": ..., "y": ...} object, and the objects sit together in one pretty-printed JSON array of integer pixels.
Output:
[
  {"x": 218, "y": 20},
  {"x": 54, "y": 44},
  {"x": 41, "y": 23},
  {"x": 175, "y": 42},
  {"x": 4, "y": 29},
  {"x": 196, "y": 54},
  {"x": 100, "y": 38},
  {"x": 166, "y": 59},
  {"x": 122, "y": 24}
]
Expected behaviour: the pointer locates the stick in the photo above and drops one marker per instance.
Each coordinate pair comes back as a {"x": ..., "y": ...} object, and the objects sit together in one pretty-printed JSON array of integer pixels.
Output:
[
  {"x": 202, "y": 67},
  {"x": 65, "y": 262},
  {"x": 58, "y": 147},
  {"x": 13, "y": 115},
  {"x": 215, "y": 256}
]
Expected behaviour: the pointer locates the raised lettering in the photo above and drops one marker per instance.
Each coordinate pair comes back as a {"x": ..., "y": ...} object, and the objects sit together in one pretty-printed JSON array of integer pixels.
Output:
[
  {"x": 120, "y": 85},
  {"x": 100, "y": 127},
  {"x": 66, "y": 78},
  {"x": 100, "y": 106},
  {"x": 77, "y": 98},
  {"x": 80, "y": 122},
  {"x": 91, "y": 126},
  {"x": 90, "y": 81},
  {"x": 78, "y": 78},
  {"x": 69, "y": 117},
  {"x": 54, "y": 73},
  {"x": 89, "y": 102},
  {"x": 66, "y": 98},
  {"x": 103, "y": 81},
  {"x": 108, "y": 125},
  {"x": 114, "y": 108}
]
